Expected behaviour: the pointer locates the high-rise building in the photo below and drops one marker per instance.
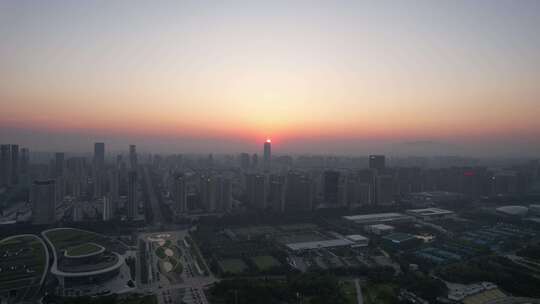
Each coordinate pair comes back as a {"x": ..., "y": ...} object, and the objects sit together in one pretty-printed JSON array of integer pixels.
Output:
[
  {"x": 267, "y": 156},
  {"x": 77, "y": 212},
  {"x": 99, "y": 156},
  {"x": 298, "y": 192},
  {"x": 60, "y": 188},
  {"x": 259, "y": 191},
  {"x": 15, "y": 164},
  {"x": 132, "y": 195},
  {"x": 98, "y": 171},
  {"x": 43, "y": 198},
  {"x": 254, "y": 161},
  {"x": 276, "y": 193},
  {"x": 384, "y": 194},
  {"x": 59, "y": 165},
  {"x": 25, "y": 160},
  {"x": 109, "y": 208},
  {"x": 133, "y": 157},
  {"x": 207, "y": 190},
  {"x": 367, "y": 178},
  {"x": 256, "y": 190},
  {"x": 5, "y": 165},
  {"x": 331, "y": 187},
  {"x": 97, "y": 182},
  {"x": 244, "y": 161},
  {"x": 180, "y": 194},
  {"x": 77, "y": 178},
  {"x": 226, "y": 194},
  {"x": 377, "y": 162},
  {"x": 114, "y": 190}
]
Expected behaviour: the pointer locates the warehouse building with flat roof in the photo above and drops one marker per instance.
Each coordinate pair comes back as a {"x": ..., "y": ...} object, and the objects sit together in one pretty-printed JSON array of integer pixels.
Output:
[
  {"x": 428, "y": 214},
  {"x": 379, "y": 218},
  {"x": 379, "y": 229},
  {"x": 319, "y": 244}
]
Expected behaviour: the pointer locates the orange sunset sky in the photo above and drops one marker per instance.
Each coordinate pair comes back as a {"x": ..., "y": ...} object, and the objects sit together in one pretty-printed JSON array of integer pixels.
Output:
[{"x": 441, "y": 77}]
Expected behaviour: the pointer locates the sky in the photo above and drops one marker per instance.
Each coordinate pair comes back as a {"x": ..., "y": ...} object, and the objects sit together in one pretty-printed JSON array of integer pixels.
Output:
[{"x": 338, "y": 77}]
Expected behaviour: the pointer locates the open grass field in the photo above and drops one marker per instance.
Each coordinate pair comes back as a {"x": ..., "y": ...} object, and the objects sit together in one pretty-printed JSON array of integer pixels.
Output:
[
  {"x": 233, "y": 266},
  {"x": 83, "y": 249},
  {"x": 64, "y": 238},
  {"x": 265, "y": 262}
]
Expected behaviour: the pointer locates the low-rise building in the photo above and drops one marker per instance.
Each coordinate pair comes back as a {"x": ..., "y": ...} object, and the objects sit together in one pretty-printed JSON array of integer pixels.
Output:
[
  {"x": 428, "y": 214},
  {"x": 379, "y": 229},
  {"x": 319, "y": 244},
  {"x": 400, "y": 241},
  {"x": 359, "y": 240},
  {"x": 379, "y": 218}
]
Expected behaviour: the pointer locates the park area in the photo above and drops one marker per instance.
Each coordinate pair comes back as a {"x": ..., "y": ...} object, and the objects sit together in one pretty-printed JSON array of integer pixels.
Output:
[
  {"x": 83, "y": 249},
  {"x": 169, "y": 259}
]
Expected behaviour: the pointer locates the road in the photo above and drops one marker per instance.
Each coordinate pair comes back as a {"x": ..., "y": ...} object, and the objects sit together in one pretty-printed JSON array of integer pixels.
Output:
[
  {"x": 359, "y": 296},
  {"x": 157, "y": 217}
]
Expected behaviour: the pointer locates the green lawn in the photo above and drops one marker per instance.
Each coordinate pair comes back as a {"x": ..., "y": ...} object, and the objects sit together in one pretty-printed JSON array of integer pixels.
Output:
[
  {"x": 233, "y": 266},
  {"x": 265, "y": 262},
  {"x": 68, "y": 237},
  {"x": 83, "y": 249}
]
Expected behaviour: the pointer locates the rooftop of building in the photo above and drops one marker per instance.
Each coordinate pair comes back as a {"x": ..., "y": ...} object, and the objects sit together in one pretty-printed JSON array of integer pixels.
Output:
[
  {"x": 319, "y": 244},
  {"x": 381, "y": 226},
  {"x": 357, "y": 238},
  {"x": 429, "y": 211},
  {"x": 399, "y": 237},
  {"x": 83, "y": 250},
  {"x": 375, "y": 216}
]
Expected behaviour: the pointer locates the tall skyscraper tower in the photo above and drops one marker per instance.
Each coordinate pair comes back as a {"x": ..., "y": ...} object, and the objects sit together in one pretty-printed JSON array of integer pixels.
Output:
[
  {"x": 133, "y": 157},
  {"x": 99, "y": 156},
  {"x": 43, "y": 197},
  {"x": 226, "y": 194},
  {"x": 98, "y": 169},
  {"x": 109, "y": 208},
  {"x": 377, "y": 162},
  {"x": 5, "y": 165},
  {"x": 132, "y": 195},
  {"x": 244, "y": 161},
  {"x": 114, "y": 188},
  {"x": 180, "y": 194},
  {"x": 208, "y": 193},
  {"x": 331, "y": 187},
  {"x": 25, "y": 159},
  {"x": 15, "y": 164},
  {"x": 267, "y": 157},
  {"x": 59, "y": 165}
]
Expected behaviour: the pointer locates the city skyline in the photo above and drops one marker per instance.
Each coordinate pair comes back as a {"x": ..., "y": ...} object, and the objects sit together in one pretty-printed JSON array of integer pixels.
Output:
[{"x": 418, "y": 78}]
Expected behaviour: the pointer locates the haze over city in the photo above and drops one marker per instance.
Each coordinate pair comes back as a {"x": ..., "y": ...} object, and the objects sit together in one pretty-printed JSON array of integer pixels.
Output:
[{"x": 337, "y": 77}]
